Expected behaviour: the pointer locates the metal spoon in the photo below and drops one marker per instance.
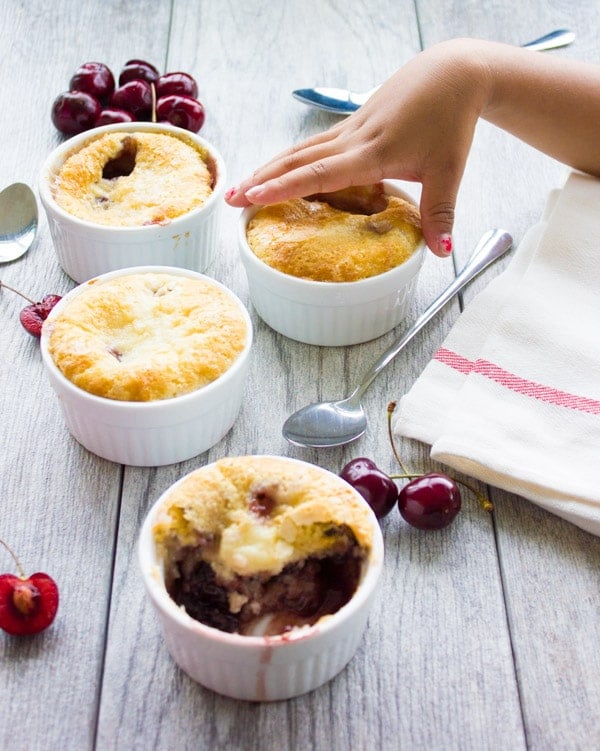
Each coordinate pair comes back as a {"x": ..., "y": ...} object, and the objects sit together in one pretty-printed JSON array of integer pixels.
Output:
[
  {"x": 327, "y": 424},
  {"x": 18, "y": 221},
  {"x": 343, "y": 101}
]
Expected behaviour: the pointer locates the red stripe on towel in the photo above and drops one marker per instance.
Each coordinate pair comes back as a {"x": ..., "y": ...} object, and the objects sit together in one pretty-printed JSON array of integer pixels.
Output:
[
  {"x": 454, "y": 360},
  {"x": 516, "y": 383}
]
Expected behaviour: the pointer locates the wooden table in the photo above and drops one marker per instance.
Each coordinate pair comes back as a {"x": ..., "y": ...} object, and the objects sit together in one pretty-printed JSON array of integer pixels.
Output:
[{"x": 486, "y": 635}]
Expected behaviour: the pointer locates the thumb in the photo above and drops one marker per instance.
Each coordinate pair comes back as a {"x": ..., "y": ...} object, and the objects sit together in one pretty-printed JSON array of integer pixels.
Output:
[{"x": 438, "y": 198}]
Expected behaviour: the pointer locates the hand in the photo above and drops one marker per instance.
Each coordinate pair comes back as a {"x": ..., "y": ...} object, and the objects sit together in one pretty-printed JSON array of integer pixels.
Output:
[{"x": 418, "y": 126}]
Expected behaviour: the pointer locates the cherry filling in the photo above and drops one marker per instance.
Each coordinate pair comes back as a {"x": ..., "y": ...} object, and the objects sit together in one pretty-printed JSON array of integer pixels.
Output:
[
  {"x": 301, "y": 594},
  {"x": 123, "y": 163},
  {"x": 366, "y": 200}
]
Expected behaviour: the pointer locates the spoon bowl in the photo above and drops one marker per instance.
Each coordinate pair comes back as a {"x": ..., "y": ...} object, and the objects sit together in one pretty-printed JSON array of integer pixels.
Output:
[
  {"x": 328, "y": 424},
  {"x": 18, "y": 221}
]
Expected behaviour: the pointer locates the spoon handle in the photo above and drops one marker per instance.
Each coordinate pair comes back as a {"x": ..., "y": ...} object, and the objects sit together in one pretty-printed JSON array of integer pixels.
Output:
[{"x": 492, "y": 245}]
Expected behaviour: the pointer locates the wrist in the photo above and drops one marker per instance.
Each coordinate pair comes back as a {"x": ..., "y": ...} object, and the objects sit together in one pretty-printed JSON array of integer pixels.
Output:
[{"x": 469, "y": 68}]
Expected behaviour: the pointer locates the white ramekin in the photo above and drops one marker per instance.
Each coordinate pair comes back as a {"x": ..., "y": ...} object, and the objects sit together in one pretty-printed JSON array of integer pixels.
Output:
[
  {"x": 155, "y": 433},
  {"x": 261, "y": 668},
  {"x": 330, "y": 313},
  {"x": 85, "y": 250}
]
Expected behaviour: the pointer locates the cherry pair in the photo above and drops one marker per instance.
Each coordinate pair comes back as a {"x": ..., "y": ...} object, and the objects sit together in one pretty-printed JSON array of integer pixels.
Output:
[{"x": 427, "y": 501}]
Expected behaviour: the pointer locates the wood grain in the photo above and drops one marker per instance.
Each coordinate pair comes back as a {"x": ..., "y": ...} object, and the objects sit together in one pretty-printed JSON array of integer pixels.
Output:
[{"x": 485, "y": 635}]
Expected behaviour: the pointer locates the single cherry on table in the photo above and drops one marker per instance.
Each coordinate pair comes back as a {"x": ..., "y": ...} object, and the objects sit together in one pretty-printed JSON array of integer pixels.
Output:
[
  {"x": 430, "y": 501},
  {"x": 377, "y": 488},
  {"x": 28, "y": 604},
  {"x": 32, "y": 316}
]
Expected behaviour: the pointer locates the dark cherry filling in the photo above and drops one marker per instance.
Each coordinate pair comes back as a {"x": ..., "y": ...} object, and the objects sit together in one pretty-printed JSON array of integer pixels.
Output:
[
  {"x": 123, "y": 163},
  {"x": 203, "y": 598},
  {"x": 301, "y": 594},
  {"x": 368, "y": 200},
  {"x": 263, "y": 503}
]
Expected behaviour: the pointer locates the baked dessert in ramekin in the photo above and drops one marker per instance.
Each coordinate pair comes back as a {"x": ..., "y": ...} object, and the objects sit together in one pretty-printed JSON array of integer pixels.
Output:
[
  {"x": 340, "y": 237},
  {"x": 333, "y": 269},
  {"x": 149, "y": 363},
  {"x": 123, "y": 179},
  {"x": 133, "y": 194},
  {"x": 262, "y": 570}
]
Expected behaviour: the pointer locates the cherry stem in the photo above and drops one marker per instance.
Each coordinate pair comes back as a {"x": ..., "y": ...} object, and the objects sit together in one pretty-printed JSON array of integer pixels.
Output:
[
  {"x": 153, "y": 89},
  {"x": 390, "y": 411},
  {"x": 16, "y": 560},
  {"x": 16, "y": 291},
  {"x": 485, "y": 503}
]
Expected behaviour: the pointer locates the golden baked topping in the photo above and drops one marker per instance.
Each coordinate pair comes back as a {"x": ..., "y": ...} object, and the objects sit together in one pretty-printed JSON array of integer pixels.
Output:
[
  {"x": 265, "y": 536},
  {"x": 338, "y": 237},
  {"x": 147, "y": 336},
  {"x": 132, "y": 179}
]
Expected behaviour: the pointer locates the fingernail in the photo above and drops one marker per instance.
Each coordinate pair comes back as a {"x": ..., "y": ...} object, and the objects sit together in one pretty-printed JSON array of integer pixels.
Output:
[
  {"x": 230, "y": 193},
  {"x": 445, "y": 244},
  {"x": 255, "y": 193}
]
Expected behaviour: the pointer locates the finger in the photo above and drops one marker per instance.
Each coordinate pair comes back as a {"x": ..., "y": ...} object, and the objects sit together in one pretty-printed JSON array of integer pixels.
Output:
[
  {"x": 323, "y": 176},
  {"x": 313, "y": 149},
  {"x": 438, "y": 199},
  {"x": 279, "y": 167},
  {"x": 250, "y": 190}
]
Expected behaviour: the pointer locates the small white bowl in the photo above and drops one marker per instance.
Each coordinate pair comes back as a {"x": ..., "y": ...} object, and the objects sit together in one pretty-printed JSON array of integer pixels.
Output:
[
  {"x": 152, "y": 433},
  {"x": 330, "y": 313},
  {"x": 261, "y": 668},
  {"x": 85, "y": 249}
]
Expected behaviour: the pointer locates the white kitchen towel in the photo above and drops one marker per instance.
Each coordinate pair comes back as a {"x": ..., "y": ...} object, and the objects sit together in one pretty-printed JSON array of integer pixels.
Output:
[{"x": 512, "y": 397}]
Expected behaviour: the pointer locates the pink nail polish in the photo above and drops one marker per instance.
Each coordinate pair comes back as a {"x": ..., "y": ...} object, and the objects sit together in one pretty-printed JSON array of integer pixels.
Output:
[
  {"x": 445, "y": 244},
  {"x": 231, "y": 192}
]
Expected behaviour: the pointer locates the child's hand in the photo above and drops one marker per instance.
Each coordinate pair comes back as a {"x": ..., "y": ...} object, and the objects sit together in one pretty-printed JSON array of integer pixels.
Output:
[{"x": 418, "y": 126}]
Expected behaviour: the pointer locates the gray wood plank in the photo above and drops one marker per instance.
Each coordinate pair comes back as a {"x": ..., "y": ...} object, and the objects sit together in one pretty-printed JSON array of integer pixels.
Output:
[{"x": 59, "y": 503}]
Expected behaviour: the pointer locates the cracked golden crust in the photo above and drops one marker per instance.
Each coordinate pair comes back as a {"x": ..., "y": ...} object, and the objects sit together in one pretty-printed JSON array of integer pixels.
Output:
[
  {"x": 170, "y": 178},
  {"x": 213, "y": 507},
  {"x": 147, "y": 336},
  {"x": 311, "y": 239}
]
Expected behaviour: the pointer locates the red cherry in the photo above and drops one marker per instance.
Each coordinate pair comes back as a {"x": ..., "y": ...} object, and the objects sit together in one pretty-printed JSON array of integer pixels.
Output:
[
  {"x": 377, "y": 488},
  {"x": 135, "y": 97},
  {"x": 176, "y": 83},
  {"x": 33, "y": 315},
  {"x": 112, "y": 115},
  {"x": 75, "y": 111},
  {"x": 182, "y": 111},
  {"x": 28, "y": 605},
  {"x": 430, "y": 501},
  {"x": 138, "y": 70},
  {"x": 95, "y": 79}
]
